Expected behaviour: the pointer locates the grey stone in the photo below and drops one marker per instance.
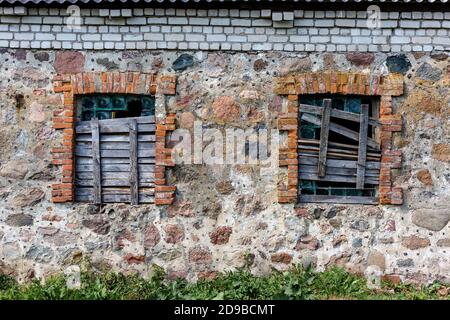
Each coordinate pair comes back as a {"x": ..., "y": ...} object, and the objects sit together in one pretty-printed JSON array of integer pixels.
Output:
[
  {"x": 108, "y": 64},
  {"x": 428, "y": 72},
  {"x": 19, "y": 220},
  {"x": 330, "y": 213},
  {"x": 404, "y": 263},
  {"x": 398, "y": 63},
  {"x": 40, "y": 254},
  {"x": 183, "y": 62},
  {"x": 357, "y": 243},
  {"x": 431, "y": 219},
  {"x": 317, "y": 213},
  {"x": 97, "y": 225},
  {"x": 29, "y": 197},
  {"x": 360, "y": 225}
]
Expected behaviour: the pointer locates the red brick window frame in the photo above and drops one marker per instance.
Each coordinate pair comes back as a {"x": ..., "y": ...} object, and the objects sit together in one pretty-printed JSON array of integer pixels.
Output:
[
  {"x": 71, "y": 85},
  {"x": 384, "y": 87}
]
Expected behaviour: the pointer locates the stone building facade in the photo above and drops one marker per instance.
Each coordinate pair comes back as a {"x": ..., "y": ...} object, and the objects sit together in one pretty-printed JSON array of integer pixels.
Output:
[{"x": 225, "y": 65}]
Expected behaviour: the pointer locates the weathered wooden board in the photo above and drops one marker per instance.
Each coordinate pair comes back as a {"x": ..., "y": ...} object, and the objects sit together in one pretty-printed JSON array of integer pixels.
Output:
[
  {"x": 117, "y": 145},
  {"x": 81, "y": 151},
  {"x": 351, "y": 172},
  {"x": 324, "y": 131},
  {"x": 116, "y": 138},
  {"x": 338, "y": 199},
  {"x": 125, "y": 198},
  {"x": 113, "y": 175},
  {"x": 133, "y": 163},
  {"x": 338, "y": 150},
  {"x": 341, "y": 130},
  {"x": 95, "y": 152},
  {"x": 337, "y": 114},
  {"x": 114, "y": 167},
  {"x": 338, "y": 163},
  {"x": 140, "y": 120},
  {"x": 336, "y": 178},
  {"x": 115, "y": 128},
  {"x": 144, "y": 182},
  {"x": 87, "y": 160},
  {"x": 362, "y": 149}
]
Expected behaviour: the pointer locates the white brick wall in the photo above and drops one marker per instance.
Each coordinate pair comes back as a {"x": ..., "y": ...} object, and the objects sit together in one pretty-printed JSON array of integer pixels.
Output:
[{"x": 224, "y": 29}]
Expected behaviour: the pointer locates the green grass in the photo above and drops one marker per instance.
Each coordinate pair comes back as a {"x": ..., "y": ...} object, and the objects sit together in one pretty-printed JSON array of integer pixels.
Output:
[{"x": 295, "y": 284}]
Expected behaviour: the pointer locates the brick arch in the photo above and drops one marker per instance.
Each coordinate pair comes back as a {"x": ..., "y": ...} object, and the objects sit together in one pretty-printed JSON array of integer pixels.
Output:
[
  {"x": 343, "y": 83},
  {"x": 109, "y": 82}
]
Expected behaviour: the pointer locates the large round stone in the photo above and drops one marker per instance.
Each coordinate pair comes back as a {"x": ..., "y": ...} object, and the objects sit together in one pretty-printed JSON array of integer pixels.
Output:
[{"x": 431, "y": 219}]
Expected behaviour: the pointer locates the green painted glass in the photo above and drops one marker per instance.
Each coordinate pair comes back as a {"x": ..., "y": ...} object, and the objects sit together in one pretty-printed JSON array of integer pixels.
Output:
[{"x": 110, "y": 106}]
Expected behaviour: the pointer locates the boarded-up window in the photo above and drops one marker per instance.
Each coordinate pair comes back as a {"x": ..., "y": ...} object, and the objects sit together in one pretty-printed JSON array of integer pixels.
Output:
[
  {"x": 339, "y": 152},
  {"x": 115, "y": 157}
]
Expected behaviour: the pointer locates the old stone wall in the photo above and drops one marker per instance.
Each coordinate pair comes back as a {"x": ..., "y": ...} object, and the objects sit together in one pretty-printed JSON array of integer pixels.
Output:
[{"x": 224, "y": 216}]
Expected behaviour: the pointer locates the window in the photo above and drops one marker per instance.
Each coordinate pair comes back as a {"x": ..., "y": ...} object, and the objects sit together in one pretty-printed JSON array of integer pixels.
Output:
[
  {"x": 338, "y": 149},
  {"x": 115, "y": 148}
]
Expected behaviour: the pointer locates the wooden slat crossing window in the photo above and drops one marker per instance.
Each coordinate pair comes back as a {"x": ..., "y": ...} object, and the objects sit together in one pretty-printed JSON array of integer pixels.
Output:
[
  {"x": 115, "y": 160},
  {"x": 339, "y": 155}
]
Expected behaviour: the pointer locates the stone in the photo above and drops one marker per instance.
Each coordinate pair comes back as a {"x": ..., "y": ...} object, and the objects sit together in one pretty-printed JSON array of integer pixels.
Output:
[
  {"x": 317, "y": 213},
  {"x": 187, "y": 120},
  {"x": 58, "y": 237},
  {"x": 440, "y": 243},
  {"x": 295, "y": 65},
  {"x": 28, "y": 198},
  {"x": 207, "y": 275},
  {"x": 360, "y": 225},
  {"x": 359, "y": 59},
  {"x": 376, "y": 258},
  {"x": 108, "y": 64},
  {"x": 216, "y": 65},
  {"x": 170, "y": 254},
  {"x": 1, "y": 235},
  {"x": 19, "y": 220},
  {"x": 441, "y": 152},
  {"x": 302, "y": 212},
  {"x": 414, "y": 242},
  {"x": 122, "y": 238},
  {"x": 441, "y": 56},
  {"x": 176, "y": 274},
  {"x": 390, "y": 226},
  {"x": 10, "y": 251},
  {"x": 183, "y": 62},
  {"x": 398, "y": 64},
  {"x": 260, "y": 65},
  {"x": 307, "y": 242},
  {"x": 373, "y": 274},
  {"x": 174, "y": 233},
  {"x": 69, "y": 62},
  {"x": 180, "y": 208},
  {"x": 42, "y": 56},
  {"x": 134, "y": 259},
  {"x": 220, "y": 235},
  {"x": 357, "y": 243},
  {"x": 249, "y": 95},
  {"x": 281, "y": 257},
  {"x": 37, "y": 113},
  {"x": 40, "y": 253},
  {"x": 200, "y": 255},
  {"x": 337, "y": 241},
  {"x": 224, "y": 187},
  {"x": 335, "y": 222},
  {"x": 330, "y": 213},
  {"x": 225, "y": 109},
  {"x": 431, "y": 219},
  {"x": 392, "y": 278},
  {"x": 424, "y": 176},
  {"x": 15, "y": 169},
  {"x": 20, "y": 54},
  {"x": 98, "y": 225},
  {"x": 405, "y": 263},
  {"x": 151, "y": 236},
  {"x": 428, "y": 72}
]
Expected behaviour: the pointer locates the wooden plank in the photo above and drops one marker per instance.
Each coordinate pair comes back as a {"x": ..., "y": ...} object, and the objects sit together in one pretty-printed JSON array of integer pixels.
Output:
[
  {"x": 96, "y": 171},
  {"x": 115, "y": 183},
  {"x": 115, "y": 128},
  {"x": 140, "y": 120},
  {"x": 304, "y": 198},
  {"x": 86, "y": 191},
  {"x": 114, "y": 167},
  {"x": 117, "y": 198},
  {"x": 116, "y": 138},
  {"x": 341, "y": 130},
  {"x": 336, "y": 178},
  {"x": 88, "y": 160},
  {"x": 324, "y": 131},
  {"x": 133, "y": 163},
  {"x": 333, "y": 155},
  {"x": 362, "y": 150},
  {"x": 335, "y": 113},
  {"x": 338, "y": 163},
  {"x": 339, "y": 171},
  {"x": 117, "y": 145},
  {"x": 113, "y": 175},
  {"x": 336, "y": 150},
  {"x": 81, "y": 151}
]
